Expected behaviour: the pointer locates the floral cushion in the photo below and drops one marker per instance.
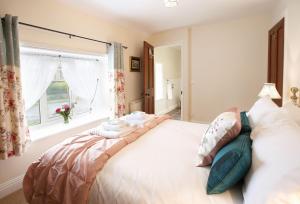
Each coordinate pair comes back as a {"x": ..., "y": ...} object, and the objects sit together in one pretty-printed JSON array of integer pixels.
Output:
[{"x": 222, "y": 130}]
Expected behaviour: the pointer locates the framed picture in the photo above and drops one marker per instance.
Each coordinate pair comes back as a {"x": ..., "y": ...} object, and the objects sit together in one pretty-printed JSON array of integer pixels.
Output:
[{"x": 135, "y": 64}]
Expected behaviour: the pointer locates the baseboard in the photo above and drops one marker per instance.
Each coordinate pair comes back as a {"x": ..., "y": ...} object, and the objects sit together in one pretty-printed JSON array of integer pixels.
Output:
[
  {"x": 11, "y": 186},
  {"x": 198, "y": 121},
  {"x": 170, "y": 108}
]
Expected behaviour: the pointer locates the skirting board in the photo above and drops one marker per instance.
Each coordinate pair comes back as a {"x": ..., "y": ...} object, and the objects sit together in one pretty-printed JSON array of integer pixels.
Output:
[
  {"x": 198, "y": 121},
  {"x": 170, "y": 108},
  {"x": 11, "y": 186}
]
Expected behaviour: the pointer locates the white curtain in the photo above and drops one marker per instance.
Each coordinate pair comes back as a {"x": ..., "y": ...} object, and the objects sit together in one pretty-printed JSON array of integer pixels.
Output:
[
  {"x": 38, "y": 72},
  {"x": 82, "y": 74}
]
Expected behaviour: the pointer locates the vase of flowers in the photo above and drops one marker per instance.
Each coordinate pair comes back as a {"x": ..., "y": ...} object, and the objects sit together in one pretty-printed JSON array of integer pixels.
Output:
[{"x": 65, "y": 112}]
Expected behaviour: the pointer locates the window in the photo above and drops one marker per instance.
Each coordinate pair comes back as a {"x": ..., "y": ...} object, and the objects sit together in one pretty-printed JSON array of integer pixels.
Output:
[
  {"x": 33, "y": 115},
  {"x": 159, "y": 82},
  {"x": 51, "y": 79},
  {"x": 57, "y": 94}
]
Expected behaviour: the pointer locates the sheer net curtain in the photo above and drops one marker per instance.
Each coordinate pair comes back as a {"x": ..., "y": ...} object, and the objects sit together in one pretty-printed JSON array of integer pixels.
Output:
[
  {"x": 87, "y": 80},
  {"x": 37, "y": 74},
  {"x": 86, "y": 77}
]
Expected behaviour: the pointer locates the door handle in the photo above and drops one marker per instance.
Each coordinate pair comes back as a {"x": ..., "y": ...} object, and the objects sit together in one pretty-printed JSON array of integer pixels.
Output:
[{"x": 148, "y": 91}]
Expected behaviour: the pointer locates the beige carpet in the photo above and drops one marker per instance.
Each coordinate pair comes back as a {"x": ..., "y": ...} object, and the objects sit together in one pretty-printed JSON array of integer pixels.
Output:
[
  {"x": 14, "y": 198},
  {"x": 175, "y": 114}
]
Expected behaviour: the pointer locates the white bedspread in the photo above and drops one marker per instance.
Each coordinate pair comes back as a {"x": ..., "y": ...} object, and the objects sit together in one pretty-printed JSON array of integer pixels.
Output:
[{"x": 159, "y": 168}]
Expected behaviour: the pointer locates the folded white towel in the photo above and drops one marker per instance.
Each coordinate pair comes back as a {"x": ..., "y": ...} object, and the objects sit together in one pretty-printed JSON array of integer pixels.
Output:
[
  {"x": 169, "y": 90},
  {"x": 111, "y": 134},
  {"x": 115, "y": 122},
  {"x": 138, "y": 122},
  {"x": 137, "y": 115},
  {"x": 108, "y": 126}
]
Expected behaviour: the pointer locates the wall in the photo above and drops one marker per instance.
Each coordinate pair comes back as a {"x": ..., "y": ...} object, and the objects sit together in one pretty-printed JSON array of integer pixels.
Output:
[
  {"x": 170, "y": 59},
  {"x": 178, "y": 37},
  {"x": 228, "y": 65},
  {"x": 289, "y": 10},
  {"x": 55, "y": 15},
  {"x": 224, "y": 64}
]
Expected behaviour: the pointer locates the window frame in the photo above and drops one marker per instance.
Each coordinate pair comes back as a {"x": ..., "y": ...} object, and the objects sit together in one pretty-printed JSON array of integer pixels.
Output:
[{"x": 46, "y": 119}]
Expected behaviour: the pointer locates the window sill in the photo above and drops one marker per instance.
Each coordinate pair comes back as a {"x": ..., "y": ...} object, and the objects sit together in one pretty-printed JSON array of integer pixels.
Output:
[{"x": 60, "y": 128}]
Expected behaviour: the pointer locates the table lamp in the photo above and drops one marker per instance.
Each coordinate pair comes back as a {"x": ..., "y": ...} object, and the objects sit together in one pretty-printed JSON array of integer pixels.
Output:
[{"x": 269, "y": 89}]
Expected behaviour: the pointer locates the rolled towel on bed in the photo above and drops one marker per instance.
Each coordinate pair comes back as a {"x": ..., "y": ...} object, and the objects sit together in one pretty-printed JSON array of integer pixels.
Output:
[
  {"x": 111, "y": 134},
  {"x": 132, "y": 121},
  {"x": 137, "y": 115},
  {"x": 113, "y": 127}
]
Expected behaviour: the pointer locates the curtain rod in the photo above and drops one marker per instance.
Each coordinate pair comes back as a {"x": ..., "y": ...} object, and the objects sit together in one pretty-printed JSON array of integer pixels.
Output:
[
  {"x": 65, "y": 33},
  {"x": 60, "y": 56}
]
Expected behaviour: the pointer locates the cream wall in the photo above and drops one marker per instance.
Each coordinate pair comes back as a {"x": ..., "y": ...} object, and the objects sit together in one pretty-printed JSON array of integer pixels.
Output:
[
  {"x": 289, "y": 9},
  {"x": 55, "y": 15},
  {"x": 228, "y": 65},
  {"x": 225, "y": 64},
  {"x": 170, "y": 59}
]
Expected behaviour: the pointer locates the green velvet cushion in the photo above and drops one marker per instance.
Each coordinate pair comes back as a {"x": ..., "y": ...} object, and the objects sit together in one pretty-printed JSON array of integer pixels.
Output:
[{"x": 231, "y": 163}]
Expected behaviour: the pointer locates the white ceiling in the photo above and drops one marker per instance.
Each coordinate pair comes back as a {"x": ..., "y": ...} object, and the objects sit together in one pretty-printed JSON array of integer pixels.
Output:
[{"x": 153, "y": 16}]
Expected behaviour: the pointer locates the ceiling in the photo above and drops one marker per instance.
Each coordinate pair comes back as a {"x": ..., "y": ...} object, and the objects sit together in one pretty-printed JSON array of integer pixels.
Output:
[{"x": 152, "y": 16}]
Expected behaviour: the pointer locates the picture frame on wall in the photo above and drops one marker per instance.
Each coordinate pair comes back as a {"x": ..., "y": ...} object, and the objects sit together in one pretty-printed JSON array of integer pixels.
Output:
[{"x": 135, "y": 64}]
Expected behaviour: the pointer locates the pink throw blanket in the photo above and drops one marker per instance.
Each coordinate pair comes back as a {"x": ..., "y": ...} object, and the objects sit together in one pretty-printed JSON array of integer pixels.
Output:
[{"x": 66, "y": 172}]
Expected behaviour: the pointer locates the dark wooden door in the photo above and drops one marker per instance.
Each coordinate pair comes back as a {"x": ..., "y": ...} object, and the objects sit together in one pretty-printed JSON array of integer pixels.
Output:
[
  {"x": 276, "y": 57},
  {"x": 148, "y": 78}
]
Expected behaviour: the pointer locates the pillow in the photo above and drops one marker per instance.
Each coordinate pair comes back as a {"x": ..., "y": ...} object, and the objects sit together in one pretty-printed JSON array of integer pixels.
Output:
[
  {"x": 275, "y": 156},
  {"x": 293, "y": 111},
  {"x": 232, "y": 162},
  {"x": 221, "y": 131},
  {"x": 261, "y": 107},
  {"x": 286, "y": 189}
]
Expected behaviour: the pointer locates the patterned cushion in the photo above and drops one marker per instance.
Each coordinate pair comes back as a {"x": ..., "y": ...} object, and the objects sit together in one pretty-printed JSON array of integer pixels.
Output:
[
  {"x": 222, "y": 130},
  {"x": 231, "y": 163}
]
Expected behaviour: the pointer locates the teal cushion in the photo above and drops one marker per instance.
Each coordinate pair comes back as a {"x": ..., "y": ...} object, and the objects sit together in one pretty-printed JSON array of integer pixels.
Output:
[
  {"x": 230, "y": 165},
  {"x": 245, "y": 123}
]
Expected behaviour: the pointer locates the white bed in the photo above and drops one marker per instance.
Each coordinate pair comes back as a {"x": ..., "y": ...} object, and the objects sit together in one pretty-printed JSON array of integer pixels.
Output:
[{"x": 159, "y": 168}]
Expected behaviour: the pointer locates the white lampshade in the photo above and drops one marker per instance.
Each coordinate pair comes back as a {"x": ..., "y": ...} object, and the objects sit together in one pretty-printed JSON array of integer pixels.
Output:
[{"x": 269, "y": 89}]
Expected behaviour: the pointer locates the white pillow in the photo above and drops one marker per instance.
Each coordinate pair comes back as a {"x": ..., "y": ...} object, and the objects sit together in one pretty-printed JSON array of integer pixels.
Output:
[
  {"x": 260, "y": 108},
  {"x": 287, "y": 189},
  {"x": 293, "y": 111},
  {"x": 275, "y": 156}
]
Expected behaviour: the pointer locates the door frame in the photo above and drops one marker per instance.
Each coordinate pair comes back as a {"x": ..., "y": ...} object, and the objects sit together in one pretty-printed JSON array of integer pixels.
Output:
[
  {"x": 182, "y": 81},
  {"x": 279, "y": 24},
  {"x": 149, "y": 92}
]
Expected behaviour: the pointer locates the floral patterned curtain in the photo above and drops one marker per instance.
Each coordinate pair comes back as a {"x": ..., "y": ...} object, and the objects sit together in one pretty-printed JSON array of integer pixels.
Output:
[
  {"x": 116, "y": 62},
  {"x": 14, "y": 133}
]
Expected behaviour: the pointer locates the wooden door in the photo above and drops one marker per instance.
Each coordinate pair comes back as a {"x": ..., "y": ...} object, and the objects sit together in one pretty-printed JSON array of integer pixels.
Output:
[
  {"x": 148, "y": 78},
  {"x": 276, "y": 58}
]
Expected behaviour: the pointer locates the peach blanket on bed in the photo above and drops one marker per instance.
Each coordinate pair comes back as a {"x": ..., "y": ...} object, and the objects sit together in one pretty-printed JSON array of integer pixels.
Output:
[{"x": 66, "y": 172}]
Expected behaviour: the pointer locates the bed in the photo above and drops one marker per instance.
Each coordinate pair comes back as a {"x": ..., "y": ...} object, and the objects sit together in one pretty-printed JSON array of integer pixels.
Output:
[
  {"x": 157, "y": 163},
  {"x": 159, "y": 168}
]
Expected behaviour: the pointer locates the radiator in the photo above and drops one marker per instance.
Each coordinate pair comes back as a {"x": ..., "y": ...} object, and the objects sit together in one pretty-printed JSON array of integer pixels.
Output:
[{"x": 136, "y": 105}]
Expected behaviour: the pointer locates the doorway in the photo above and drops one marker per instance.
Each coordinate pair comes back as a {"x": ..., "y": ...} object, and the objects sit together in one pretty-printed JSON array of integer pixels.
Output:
[{"x": 167, "y": 81}]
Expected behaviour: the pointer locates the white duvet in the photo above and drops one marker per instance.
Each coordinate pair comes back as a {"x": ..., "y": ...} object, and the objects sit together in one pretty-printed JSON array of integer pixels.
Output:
[{"x": 159, "y": 168}]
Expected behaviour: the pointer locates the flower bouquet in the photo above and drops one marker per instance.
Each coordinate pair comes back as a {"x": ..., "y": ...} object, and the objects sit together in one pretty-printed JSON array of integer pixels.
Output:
[{"x": 65, "y": 112}]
